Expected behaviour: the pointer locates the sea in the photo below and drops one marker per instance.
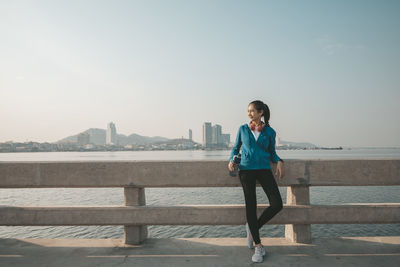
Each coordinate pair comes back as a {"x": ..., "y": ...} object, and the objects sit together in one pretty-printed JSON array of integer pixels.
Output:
[{"x": 184, "y": 196}]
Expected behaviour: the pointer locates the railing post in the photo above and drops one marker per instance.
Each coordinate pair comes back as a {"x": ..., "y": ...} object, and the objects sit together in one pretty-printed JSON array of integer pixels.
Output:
[
  {"x": 134, "y": 234},
  {"x": 298, "y": 195}
]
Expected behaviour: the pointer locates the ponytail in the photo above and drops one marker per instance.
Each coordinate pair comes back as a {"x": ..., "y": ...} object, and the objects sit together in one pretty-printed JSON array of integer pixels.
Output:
[{"x": 266, "y": 114}]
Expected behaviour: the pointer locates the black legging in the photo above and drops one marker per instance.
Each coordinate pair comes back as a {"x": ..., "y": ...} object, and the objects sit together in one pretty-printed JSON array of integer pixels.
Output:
[{"x": 267, "y": 181}]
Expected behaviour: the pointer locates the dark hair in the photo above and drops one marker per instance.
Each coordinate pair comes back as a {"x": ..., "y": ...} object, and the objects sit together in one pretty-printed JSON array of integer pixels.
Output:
[{"x": 259, "y": 105}]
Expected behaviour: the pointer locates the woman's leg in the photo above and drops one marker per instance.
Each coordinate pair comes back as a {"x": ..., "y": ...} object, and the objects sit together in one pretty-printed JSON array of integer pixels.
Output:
[
  {"x": 248, "y": 181},
  {"x": 268, "y": 183}
]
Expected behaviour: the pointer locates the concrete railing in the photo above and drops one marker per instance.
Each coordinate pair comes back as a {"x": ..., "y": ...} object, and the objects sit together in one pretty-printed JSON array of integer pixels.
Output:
[{"x": 297, "y": 213}]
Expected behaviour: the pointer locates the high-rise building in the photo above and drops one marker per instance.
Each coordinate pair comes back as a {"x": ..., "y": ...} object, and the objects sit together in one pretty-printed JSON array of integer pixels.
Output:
[
  {"x": 226, "y": 139},
  {"x": 190, "y": 134},
  {"x": 207, "y": 134},
  {"x": 216, "y": 134},
  {"x": 111, "y": 136}
]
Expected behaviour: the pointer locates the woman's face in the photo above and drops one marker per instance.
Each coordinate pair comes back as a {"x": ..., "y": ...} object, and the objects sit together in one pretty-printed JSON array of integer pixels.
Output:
[{"x": 253, "y": 114}]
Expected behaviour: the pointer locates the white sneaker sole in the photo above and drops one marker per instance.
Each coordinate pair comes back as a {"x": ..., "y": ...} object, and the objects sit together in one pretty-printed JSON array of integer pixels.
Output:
[{"x": 257, "y": 260}]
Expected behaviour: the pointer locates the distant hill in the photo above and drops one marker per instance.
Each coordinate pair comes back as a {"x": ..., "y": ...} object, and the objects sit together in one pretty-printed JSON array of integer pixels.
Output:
[
  {"x": 98, "y": 137},
  {"x": 296, "y": 144}
]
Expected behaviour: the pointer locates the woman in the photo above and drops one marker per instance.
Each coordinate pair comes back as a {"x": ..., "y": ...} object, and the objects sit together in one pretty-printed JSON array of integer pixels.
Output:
[{"x": 257, "y": 140}]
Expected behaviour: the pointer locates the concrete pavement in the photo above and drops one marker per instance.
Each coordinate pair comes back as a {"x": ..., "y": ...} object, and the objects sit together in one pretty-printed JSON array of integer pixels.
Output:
[{"x": 344, "y": 251}]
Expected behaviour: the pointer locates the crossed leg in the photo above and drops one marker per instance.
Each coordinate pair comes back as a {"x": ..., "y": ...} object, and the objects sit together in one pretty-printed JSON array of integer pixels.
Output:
[{"x": 267, "y": 181}]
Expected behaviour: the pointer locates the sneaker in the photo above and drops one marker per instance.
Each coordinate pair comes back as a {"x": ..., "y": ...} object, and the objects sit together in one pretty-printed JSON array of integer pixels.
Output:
[
  {"x": 259, "y": 252},
  {"x": 249, "y": 237},
  {"x": 263, "y": 250}
]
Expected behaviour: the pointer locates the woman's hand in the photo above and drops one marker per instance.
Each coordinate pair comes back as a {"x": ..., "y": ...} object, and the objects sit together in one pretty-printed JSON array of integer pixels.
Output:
[
  {"x": 230, "y": 166},
  {"x": 280, "y": 169}
]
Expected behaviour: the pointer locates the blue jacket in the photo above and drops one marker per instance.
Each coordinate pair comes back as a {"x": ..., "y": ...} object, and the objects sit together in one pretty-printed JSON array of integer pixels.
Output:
[{"x": 255, "y": 154}]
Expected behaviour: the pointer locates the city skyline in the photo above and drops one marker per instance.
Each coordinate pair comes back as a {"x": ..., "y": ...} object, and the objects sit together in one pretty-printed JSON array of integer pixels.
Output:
[
  {"x": 329, "y": 71},
  {"x": 213, "y": 138}
]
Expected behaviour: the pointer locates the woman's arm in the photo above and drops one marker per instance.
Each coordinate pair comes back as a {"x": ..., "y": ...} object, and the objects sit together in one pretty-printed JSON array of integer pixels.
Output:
[
  {"x": 274, "y": 157},
  {"x": 236, "y": 146}
]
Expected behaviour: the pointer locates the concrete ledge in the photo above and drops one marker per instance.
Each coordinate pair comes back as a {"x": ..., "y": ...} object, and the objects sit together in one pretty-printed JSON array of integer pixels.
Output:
[
  {"x": 317, "y": 172},
  {"x": 344, "y": 251},
  {"x": 198, "y": 215}
]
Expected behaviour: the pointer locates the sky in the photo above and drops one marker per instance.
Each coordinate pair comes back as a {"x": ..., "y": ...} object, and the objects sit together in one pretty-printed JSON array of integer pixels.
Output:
[{"x": 328, "y": 70}]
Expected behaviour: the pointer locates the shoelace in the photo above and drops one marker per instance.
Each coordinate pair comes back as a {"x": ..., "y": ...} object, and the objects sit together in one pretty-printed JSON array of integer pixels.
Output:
[{"x": 259, "y": 250}]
